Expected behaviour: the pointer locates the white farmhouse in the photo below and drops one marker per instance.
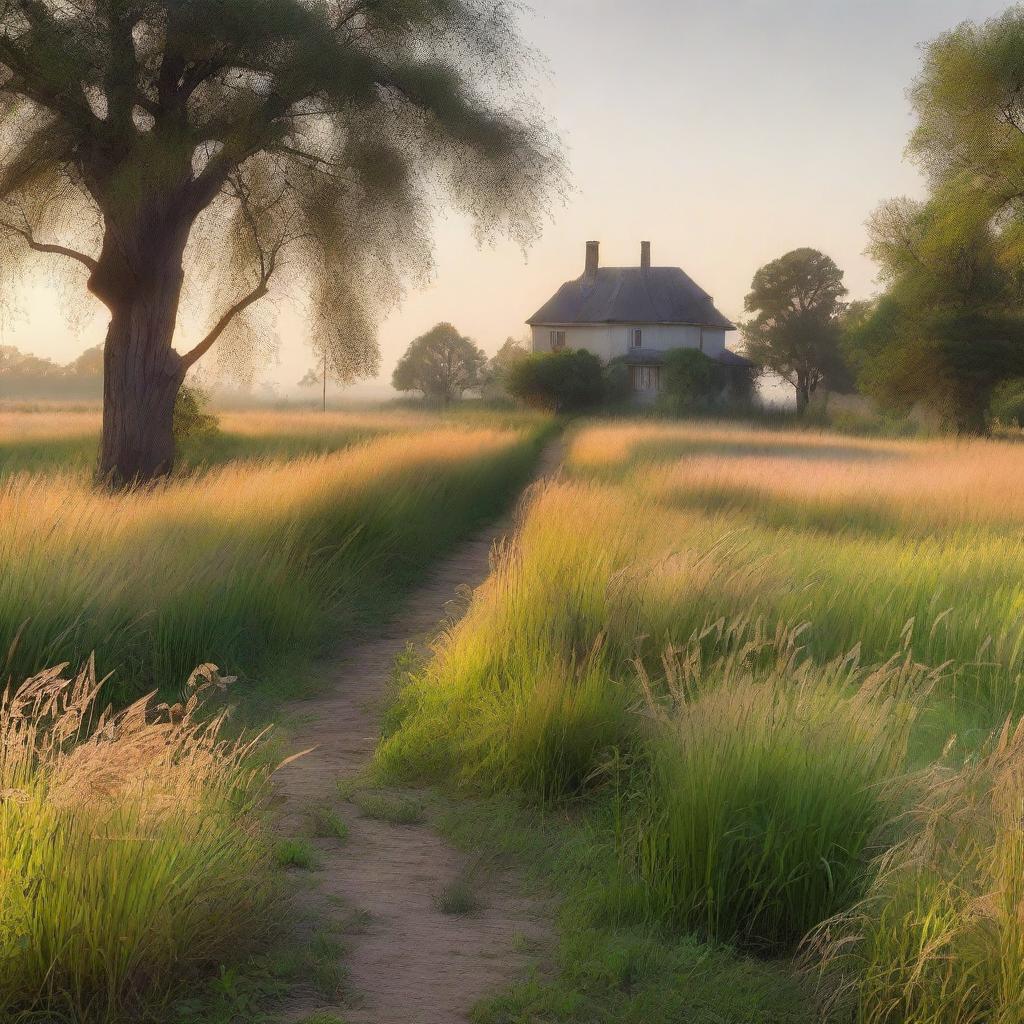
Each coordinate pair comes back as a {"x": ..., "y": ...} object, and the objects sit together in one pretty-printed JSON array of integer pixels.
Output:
[{"x": 636, "y": 314}]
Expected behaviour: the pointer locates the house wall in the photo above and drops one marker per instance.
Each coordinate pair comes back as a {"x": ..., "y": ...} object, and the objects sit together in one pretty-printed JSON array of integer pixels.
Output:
[{"x": 611, "y": 340}]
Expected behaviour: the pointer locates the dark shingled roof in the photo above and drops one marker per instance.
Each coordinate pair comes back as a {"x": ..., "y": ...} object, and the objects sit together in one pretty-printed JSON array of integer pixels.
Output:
[{"x": 632, "y": 295}]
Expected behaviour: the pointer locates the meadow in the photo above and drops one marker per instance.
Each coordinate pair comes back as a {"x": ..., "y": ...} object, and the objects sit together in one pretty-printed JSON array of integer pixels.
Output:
[
  {"x": 135, "y": 847},
  {"x": 772, "y": 681}
]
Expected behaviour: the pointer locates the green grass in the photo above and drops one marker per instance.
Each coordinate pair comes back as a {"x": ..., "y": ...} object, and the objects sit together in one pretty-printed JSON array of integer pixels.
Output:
[
  {"x": 601, "y": 970},
  {"x": 133, "y": 857},
  {"x": 458, "y": 898},
  {"x": 724, "y": 652},
  {"x": 128, "y": 878},
  {"x": 328, "y": 824},
  {"x": 251, "y": 566},
  {"x": 398, "y": 810},
  {"x": 296, "y": 853}
]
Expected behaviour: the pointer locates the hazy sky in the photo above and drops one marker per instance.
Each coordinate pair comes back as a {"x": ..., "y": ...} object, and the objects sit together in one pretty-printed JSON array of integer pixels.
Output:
[{"x": 726, "y": 132}]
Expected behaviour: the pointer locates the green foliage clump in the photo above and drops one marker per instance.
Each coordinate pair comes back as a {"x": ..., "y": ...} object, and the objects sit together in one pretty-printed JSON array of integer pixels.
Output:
[
  {"x": 796, "y": 302},
  {"x": 1008, "y": 403},
  {"x": 764, "y": 796},
  {"x": 564, "y": 382},
  {"x": 441, "y": 364},
  {"x": 948, "y": 331},
  {"x": 693, "y": 382},
  {"x": 192, "y": 421}
]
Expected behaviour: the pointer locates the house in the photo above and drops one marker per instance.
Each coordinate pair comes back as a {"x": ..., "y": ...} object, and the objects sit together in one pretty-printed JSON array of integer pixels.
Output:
[{"x": 635, "y": 314}]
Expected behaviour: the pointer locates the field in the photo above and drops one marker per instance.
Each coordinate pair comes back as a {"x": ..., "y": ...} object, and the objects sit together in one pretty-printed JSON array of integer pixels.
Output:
[
  {"x": 765, "y": 676},
  {"x": 135, "y": 855},
  {"x": 742, "y": 703}
]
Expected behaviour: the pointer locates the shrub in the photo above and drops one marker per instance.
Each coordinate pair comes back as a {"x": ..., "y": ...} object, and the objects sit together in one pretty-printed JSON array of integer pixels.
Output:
[
  {"x": 566, "y": 381},
  {"x": 1008, "y": 403},
  {"x": 131, "y": 853},
  {"x": 691, "y": 380},
  {"x": 618, "y": 384},
  {"x": 765, "y": 792},
  {"x": 940, "y": 937},
  {"x": 191, "y": 420}
]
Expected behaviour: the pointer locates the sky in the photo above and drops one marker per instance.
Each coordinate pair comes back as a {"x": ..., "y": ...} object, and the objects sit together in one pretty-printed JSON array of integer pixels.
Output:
[{"x": 726, "y": 133}]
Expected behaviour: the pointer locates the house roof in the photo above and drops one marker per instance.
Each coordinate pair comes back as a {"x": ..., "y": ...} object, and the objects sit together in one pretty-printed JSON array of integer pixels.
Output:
[{"x": 632, "y": 295}]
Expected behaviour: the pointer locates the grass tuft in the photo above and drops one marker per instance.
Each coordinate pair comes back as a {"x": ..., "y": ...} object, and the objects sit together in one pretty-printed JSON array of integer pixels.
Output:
[
  {"x": 132, "y": 856},
  {"x": 398, "y": 810}
]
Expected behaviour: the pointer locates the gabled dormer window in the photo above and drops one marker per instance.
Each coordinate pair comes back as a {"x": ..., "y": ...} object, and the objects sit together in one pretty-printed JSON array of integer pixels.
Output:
[
  {"x": 557, "y": 340},
  {"x": 636, "y": 337}
]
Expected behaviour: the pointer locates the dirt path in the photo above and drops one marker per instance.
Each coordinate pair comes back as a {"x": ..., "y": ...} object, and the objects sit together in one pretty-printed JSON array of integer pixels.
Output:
[{"x": 409, "y": 963}]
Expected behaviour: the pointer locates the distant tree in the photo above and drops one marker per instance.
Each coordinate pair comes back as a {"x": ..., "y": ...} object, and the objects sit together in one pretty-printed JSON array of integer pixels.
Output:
[
  {"x": 442, "y": 364},
  {"x": 88, "y": 366},
  {"x": 564, "y": 381},
  {"x": 949, "y": 329},
  {"x": 499, "y": 366},
  {"x": 243, "y": 141},
  {"x": 795, "y": 331},
  {"x": 27, "y": 375}
]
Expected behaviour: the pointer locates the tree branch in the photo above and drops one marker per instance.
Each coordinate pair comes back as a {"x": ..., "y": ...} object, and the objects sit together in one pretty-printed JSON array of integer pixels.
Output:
[
  {"x": 192, "y": 357},
  {"x": 49, "y": 247}
]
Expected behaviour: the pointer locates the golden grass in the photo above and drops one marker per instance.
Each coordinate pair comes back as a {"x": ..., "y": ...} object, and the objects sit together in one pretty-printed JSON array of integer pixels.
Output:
[
  {"x": 235, "y": 563},
  {"x": 50, "y": 425},
  {"x": 131, "y": 848}
]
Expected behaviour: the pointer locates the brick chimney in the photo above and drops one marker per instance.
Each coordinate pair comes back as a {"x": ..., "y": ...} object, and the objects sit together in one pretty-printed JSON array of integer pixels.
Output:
[
  {"x": 645, "y": 255},
  {"x": 593, "y": 258}
]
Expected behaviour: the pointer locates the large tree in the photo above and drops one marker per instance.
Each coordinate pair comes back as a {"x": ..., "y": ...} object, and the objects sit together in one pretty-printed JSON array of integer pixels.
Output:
[
  {"x": 796, "y": 302},
  {"x": 948, "y": 329},
  {"x": 214, "y": 146},
  {"x": 441, "y": 364}
]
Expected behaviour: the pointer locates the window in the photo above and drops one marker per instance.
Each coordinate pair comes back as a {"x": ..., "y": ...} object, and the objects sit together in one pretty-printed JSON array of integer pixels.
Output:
[
  {"x": 646, "y": 378},
  {"x": 557, "y": 340},
  {"x": 636, "y": 337}
]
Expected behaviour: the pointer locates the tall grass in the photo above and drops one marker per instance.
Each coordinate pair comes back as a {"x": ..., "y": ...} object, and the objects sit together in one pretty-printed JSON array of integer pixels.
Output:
[
  {"x": 131, "y": 849},
  {"x": 833, "y": 606},
  {"x": 768, "y": 786},
  {"x": 242, "y": 566},
  {"x": 940, "y": 937}
]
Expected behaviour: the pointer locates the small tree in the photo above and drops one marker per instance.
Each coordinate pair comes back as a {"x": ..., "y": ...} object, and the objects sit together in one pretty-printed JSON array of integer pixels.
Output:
[
  {"x": 499, "y": 367},
  {"x": 797, "y": 302},
  {"x": 565, "y": 381},
  {"x": 442, "y": 364}
]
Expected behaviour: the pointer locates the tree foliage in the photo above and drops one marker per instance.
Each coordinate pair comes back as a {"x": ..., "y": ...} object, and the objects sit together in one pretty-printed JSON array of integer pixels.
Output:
[
  {"x": 948, "y": 330},
  {"x": 218, "y": 146},
  {"x": 499, "y": 367},
  {"x": 442, "y": 364},
  {"x": 796, "y": 302},
  {"x": 692, "y": 381},
  {"x": 25, "y": 375},
  {"x": 563, "y": 381}
]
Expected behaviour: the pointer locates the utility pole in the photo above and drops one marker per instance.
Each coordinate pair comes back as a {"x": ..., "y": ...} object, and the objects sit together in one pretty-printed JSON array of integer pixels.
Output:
[{"x": 325, "y": 379}]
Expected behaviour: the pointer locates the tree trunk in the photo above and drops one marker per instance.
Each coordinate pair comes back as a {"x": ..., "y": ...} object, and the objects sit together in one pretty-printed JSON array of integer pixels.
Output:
[
  {"x": 803, "y": 395},
  {"x": 142, "y": 374}
]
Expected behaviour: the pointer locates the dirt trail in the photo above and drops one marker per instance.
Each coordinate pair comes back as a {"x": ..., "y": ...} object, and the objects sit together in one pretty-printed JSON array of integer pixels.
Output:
[{"x": 409, "y": 963}]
